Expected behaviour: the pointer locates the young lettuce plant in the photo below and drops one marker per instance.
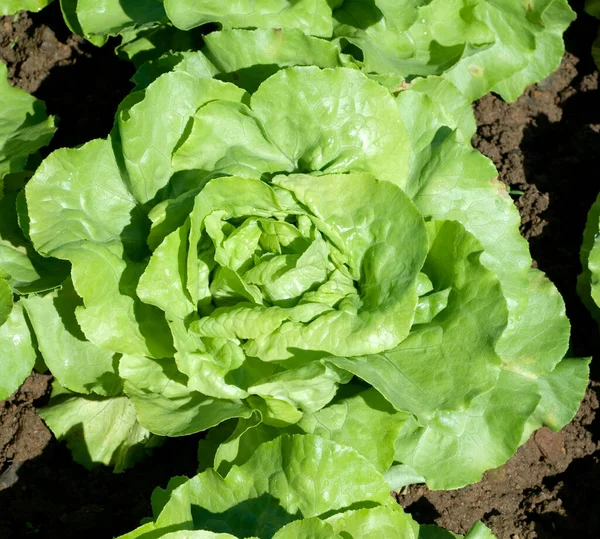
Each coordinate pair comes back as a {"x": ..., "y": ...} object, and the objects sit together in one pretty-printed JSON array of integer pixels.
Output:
[
  {"x": 24, "y": 128},
  {"x": 240, "y": 255},
  {"x": 293, "y": 486}
]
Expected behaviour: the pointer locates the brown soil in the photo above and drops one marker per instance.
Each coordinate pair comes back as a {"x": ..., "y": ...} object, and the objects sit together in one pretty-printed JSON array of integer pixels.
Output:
[
  {"x": 545, "y": 146},
  {"x": 80, "y": 83}
]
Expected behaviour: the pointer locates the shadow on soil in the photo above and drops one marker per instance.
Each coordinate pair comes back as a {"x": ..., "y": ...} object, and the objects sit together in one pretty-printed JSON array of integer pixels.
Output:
[{"x": 60, "y": 498}]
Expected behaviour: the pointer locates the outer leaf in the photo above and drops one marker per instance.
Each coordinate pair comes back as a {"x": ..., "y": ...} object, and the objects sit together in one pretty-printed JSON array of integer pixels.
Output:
[
  {"x": 72, "y": 359},
  {"x": 165, "y": 405},
  {"x": 350, "y": 422},
  {"x": 6, "y": 301},
  {"x": 311, "y": 16},
  {"x": 97, "y": 430},
  {"x": 24, "y": 125},
  {"x": 293, "y": 486},
  {"x": 588, "y": 283},
  {"x": 480, "y": 46},
  {"x": 97, "y": 20},
  {"x": 593, "y": 8},
  {"x": 98, "y": 239},
  {"x": 561, "y": 393},
  {"x": 9, "y": 7},
  {"x": 290, "y": 478},
  {"x": 539, "y": 339},
  {"x": 308, "y": 527},
  {"x": 383, "y": 521},
  {"x": 24, "y": 269},
  {"x": 248, "y": 57},
  {"x": 438, "y": 367},
  {"x": 543, "y": 391},
  {"x": 455, "y": 447},
  {"x": 18, "y": 354},
  {"x": 315, "y": 117},
  {"x": 148, "y": 141}
]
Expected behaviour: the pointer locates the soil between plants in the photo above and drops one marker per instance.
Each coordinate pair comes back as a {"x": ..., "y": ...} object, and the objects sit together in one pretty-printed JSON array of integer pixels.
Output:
[{"x": 546, "y": 147}]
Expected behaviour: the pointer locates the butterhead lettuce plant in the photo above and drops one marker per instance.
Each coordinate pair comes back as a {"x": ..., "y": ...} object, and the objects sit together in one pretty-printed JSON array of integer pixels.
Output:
[{"x": 304, "y": 253}]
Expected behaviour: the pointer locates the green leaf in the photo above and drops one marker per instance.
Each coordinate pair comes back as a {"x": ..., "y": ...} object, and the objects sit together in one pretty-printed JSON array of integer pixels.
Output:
[
  {"x": 165, "y": 405},
  {"x": 539, "y": 338},
  {"x": 24, "y": 269},
  {"x": 588, "y": 282},
  {"x": 373, "y": 241},
  {"x": 248, "y": 57},
  {"x": 72, "y": 359},
  {"x": 6, "y": 301},
  {"x": 456, "y": 347},
  {"x": 325, "y": 120},
  {"x": 97, "y": 20},
  {"x": 593, "y": 8},
  {"x": 561, "y": 391},
  {"x": 311, "y": 16},
  {"x": 149, "y": 139},
  {"x": 100, "y": 241},
  {"x": 10, "y": 7},
  {"x": 308, "y": 527},
  {"x": 480, "y": 46},
  {"x": 455, "y": 447},
  {"x": 348, "y": 421},
  {"x": 352, "y": 421},
  {"x": 18, "y": 352},
  {"x": 287, "y": 479},
  {"x": 382, "y": 521},
  {"x": 96, "y": 429},
  {"x": 24, "y": 124}
]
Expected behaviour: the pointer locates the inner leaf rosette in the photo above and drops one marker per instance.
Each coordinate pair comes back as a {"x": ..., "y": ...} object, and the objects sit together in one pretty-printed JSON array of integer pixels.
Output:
[{"x": 267, "y": 278}]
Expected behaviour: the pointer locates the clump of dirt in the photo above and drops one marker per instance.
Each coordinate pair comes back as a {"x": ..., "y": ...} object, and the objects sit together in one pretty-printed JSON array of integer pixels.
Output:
[
  {"x": 23, "y": 435},
  {"x": 32, "y": 50},
  {"x": 80, "y": 83}
]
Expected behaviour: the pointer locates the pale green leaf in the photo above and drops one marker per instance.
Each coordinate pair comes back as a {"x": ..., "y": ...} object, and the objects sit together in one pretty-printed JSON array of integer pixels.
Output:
[
  {"x": 165, "y": 405},
  {"x": 97, "y": 430},
  {"x": 18, "y": 353},
  {"x": 9, "y": 7},
  {"x": 310, "y": 16},
  {"x": 73, "y": 360},
  {"x": 6, "y": 301}
]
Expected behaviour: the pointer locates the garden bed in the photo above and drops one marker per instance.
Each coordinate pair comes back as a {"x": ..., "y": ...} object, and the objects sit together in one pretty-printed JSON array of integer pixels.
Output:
[{"x": 544, "y": 146}]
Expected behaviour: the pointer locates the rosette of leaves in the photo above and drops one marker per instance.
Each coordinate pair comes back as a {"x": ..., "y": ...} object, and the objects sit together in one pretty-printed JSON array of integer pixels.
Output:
[
  {"x": 273, "y": 257},
  {"x": 24, "y": 128},
  {"x": 293, "y": 486}
]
